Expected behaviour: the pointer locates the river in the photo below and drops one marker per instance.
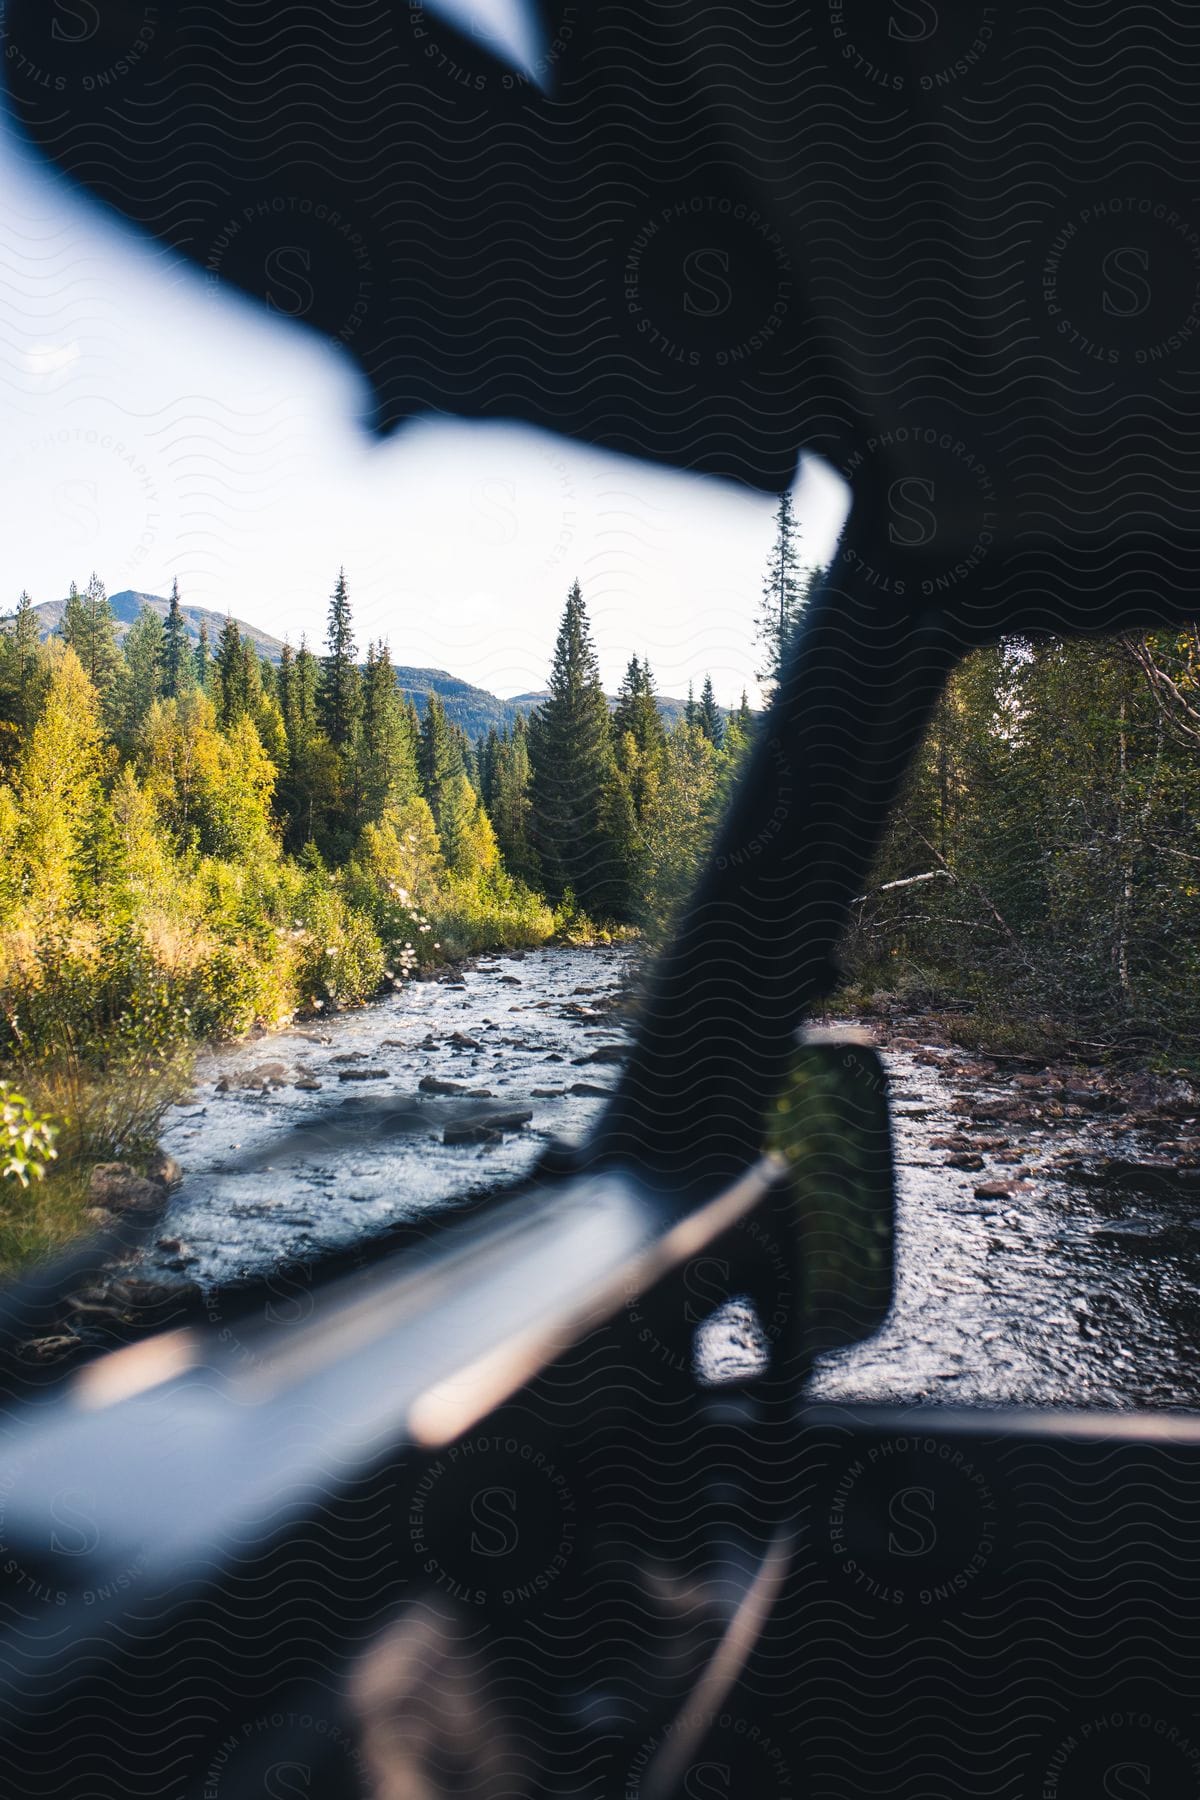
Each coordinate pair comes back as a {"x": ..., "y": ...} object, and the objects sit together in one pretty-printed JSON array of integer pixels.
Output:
[{"x": 1078, "y": 1285}]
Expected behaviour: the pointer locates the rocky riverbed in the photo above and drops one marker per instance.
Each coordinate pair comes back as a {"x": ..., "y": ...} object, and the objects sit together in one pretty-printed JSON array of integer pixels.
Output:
[
  {"x": 1048, "y": 1236},
  {"x": 328, "y": 1133},
  {"x": 1048, "y": 1225}
]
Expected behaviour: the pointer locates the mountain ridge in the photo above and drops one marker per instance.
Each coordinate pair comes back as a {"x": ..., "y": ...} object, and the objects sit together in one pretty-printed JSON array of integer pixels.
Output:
[{"x": 473, "y": 708}]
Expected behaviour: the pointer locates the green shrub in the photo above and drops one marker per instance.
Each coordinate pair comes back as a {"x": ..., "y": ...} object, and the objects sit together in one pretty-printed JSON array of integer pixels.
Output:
[{"x": 26, "y": 1141}]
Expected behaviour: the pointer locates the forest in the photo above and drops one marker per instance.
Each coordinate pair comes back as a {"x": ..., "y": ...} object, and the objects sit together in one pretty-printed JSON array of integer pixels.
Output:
[
  {"x": 195, "y": 840},
  {"x": 1042, "y": 873}
]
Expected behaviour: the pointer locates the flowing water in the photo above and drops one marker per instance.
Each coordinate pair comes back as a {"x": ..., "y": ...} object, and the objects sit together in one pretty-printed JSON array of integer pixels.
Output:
[{"x": 1078, "y": 1286}]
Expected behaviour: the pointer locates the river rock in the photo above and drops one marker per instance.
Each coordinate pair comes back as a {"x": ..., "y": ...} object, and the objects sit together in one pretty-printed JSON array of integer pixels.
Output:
[
  {"x": 470, "y": 1134},
  {"x": 434, "y": 1084},
  {"x": 362, "y": 1074},
  {"x": 962, "y": 1159},
  {"x": 604, "y": 1053},
  {"x": 512, "y": 981},
  {"x": 308, "y": 1084},
  {"x": 995, "y": 1190},
  {"x": 461, "y": 1041},
  {"x": 117, "y": 1188},
  {"x": 262, "y": 1076},
  {"x": 164, "y": 1169},
  {"x": 1090, "y": 1099},
  {"x": 511, "y": 1119},
  {"x": 546, "y": 1093},
  {"x": 591, "y": 1090}
]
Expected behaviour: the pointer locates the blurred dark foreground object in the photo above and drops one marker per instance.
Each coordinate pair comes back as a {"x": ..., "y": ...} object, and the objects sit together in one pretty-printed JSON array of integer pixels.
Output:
[{"x": 958, "y": 256}]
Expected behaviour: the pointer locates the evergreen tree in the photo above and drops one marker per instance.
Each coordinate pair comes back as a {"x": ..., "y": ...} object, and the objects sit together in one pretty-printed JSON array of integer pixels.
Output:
[
  {"x": 139, "y": 679},
  {"x": 306, "y": 686},
  {"x": 387, "y": 748},
  {"x": 465, "y": 753},
  {"x": 24, "y": 639},
  {"x": 679, "y": 829},
  {"x": 708, "y": 716},
  {"x": 339, "y": 698},
  {"x": 231, "y": 691},
  {"x": 467, "y": 839},
  {"x": 636, "y": 713},
  {"x": 176, "y": 653},
  {"x": 571, "y": 758},
  {"x": 286, "y": 689},
  {"x": 87, "y": 627},
  {"x": 639, "y": 738},
  {"x": 511, "y": 805},
  {"x": 487, "y": 752},
  {"x": 249, "y": 678},
  {"x": 22, "y": 677},
  {"x": 689, "y": 711},
  {"x": 785, "y": 590},
  {"x": 202, "y": 658},
  {"x": 307, "y": 792},
  {"x": 443, "y": 779},
  {"x": 745, "y": 718}
]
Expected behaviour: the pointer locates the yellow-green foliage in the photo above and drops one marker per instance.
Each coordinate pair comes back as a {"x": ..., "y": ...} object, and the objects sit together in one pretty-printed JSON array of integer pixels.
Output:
[
  {"x": 424, "y": 913},
  {"x": 147, "y": 901},
  {"x": 26, "y": 1141}
]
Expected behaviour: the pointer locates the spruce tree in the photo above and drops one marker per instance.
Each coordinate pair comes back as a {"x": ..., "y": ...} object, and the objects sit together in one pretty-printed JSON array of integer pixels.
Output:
[
  {"x": 636, "y": 713},
  {"x": 22, "y": 676},
  {"x": 639, "y": 738},
  {"x": 229, "y": 674},
  {"x": 689, "y": 712},
  {"x": 444, "y": 784},
  {"x": 571, "y": 758},
  {"x": 285, "y": 688},
  {"x": 202, "y": 657},
  {"x": 307, "y": 684},
  {"x": 139, "y": 679},
  {"x": 25, "y": 637},
  {"x": 466, "y": 754},
  {"x": 87, "y": 626},
  {"x": 487, "y": 753},
  {"x": 386, "y": 745},
  {"x": 784, "y": 593},
  {"x": 306, "y": 784},
  {"x": 339, "y": 698},
  {"x": 511, "y": 806},
  {"x": 708, "y": 715},
  {"x": 176, "y": 652}
]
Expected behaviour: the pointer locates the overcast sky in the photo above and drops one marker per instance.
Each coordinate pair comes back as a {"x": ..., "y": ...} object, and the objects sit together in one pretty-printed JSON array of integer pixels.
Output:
[{"x": 151, "y": 429}]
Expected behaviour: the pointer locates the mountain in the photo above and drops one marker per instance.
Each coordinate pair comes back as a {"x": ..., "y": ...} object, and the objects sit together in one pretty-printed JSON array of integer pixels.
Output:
[
  {"x": 128, "y": 604},
  {"x": 670, "y": 709},
  {"x": 474, "y": 708}
]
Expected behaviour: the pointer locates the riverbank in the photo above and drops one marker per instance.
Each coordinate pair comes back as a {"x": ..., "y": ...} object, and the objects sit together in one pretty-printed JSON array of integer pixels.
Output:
[
  {"x": 1048, "y": 1218},
  {"x": 332, "y": 1133},
  {"x": 1048, "y": 1232}
]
